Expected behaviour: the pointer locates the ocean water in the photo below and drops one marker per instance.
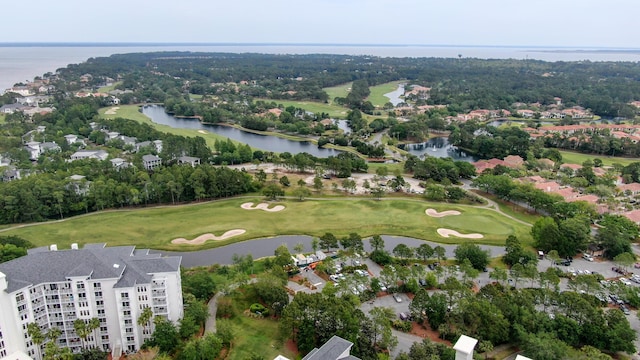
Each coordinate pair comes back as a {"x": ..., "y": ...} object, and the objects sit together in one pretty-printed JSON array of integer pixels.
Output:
[{"x": 22, "y": 62}]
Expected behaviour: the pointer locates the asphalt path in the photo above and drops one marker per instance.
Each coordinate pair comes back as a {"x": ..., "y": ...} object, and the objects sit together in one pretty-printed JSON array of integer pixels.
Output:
[{"x": 259, "y": 248}]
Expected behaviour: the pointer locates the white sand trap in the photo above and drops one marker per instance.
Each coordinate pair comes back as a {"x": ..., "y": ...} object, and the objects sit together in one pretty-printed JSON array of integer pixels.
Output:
[
  {"x": 434, "y": 213},
  {"x": 447, "y": 232},
  {"x": 261, "y": 206},
  {"x": 204, "y": 237},
  {"x": 202, "y": 132},
  {"x": 112, "y": 111}
]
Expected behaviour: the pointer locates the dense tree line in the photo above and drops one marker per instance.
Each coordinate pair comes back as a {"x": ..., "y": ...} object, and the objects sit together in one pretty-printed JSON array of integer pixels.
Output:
[
  {"x": 54, "y": 195},
  {"x": 439, "y": 169},
  {"x": 463, "y": 84},
  {"x": 490, "y": 142}
]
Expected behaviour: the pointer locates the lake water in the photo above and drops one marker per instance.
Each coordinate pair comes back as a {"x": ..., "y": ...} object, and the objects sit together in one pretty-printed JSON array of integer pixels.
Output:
[
  {"x": 22, "y": 62},
  {"x": 263, "y": 142},
  {"x": 394, "y": 96},
  {"x": 438, "y": 147},
  {"x": 259, "y": 248}
]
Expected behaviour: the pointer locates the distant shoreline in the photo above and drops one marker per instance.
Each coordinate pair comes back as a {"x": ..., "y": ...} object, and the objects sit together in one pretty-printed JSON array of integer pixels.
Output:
[{"x": 536, "y": 48}]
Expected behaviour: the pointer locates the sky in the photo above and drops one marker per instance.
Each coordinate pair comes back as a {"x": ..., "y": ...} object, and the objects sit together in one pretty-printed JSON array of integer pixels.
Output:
[{"x": 579, "y": 23}]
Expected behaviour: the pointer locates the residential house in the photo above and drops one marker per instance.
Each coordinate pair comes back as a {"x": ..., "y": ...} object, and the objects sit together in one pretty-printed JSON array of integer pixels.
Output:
[
  {"x": 21, "y": 90},
  {"x": 567, "y": 193},
  {"x": 549, "y": 186},
  {"x": 79, "y": 184},
  {"x": 156, "y": 144},
  {"x": 632, "y": 189},
  {"x": 514, "y": 161},
  {"x": 633, "y": 215},
  {"x": 193, "y": 161},
  {"x": 54, "y": 287},
  {"x": 74, "y": 139},
  {"x": 573, "y": 167},
  {"x": 33, "y": 148},
  {"x": 49, "y": 146},
  {"x": 151, "y": 162},
  {"x": 89, "y": 154},
  {"x": 11, "y": 173},
  {"x": 12, "y": 108},
  {"x": 336, "y": 348},
  {"x": 119, "y": 163}
]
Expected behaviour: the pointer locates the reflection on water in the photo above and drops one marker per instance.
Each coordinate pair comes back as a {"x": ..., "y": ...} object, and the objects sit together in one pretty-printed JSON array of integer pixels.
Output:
[
  {"x": 438, "y": 147},
  {"x": 263, "y": 142}
]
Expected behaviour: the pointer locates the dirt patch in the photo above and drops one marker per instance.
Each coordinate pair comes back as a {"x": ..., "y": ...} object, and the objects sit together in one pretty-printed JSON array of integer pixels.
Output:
[
  {"x": 205, "y": 237},
  {"x": 291, "y": 346},
  {"x": 261, "y": 206},
  {"x": 448, "y": 232},
  {"x": 427, "y": 333},
  {"x": 112, "y": 111},
  {"x": 436, "y": 214}
]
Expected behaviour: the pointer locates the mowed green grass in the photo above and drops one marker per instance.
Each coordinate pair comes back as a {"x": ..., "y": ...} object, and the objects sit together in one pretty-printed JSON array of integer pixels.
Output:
[
  {"x": 156, "y": 227},
  {"x": 571, "y": 157},
  {"x": 315, "y": 107},
  {"x": 377, "y": 97},
  {"x": 2, "y": 118},
  {"x": 131, "y": 112},
  {"x": 106, "y": 89},
  {"x": 338, "y": 91}
]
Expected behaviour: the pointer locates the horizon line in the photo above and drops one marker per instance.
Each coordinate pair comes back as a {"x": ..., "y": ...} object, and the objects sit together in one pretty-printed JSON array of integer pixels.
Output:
[{"x": 155, "y": 43}]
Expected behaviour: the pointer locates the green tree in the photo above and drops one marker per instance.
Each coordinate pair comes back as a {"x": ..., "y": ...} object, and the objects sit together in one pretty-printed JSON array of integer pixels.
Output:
[
  {"x": 377, "y": 243},
  {"x": 328, "y": 241},
  {"x": 425, "y": 251},
  {"x": 165, "y": 335},
  {"x": 145, "y": 318},
  {"x": 301, "y": 193},
  {"x": 402, "y": 251},
  {"x": 272, "y": 192},
  {"x": 478, "y": 258}
]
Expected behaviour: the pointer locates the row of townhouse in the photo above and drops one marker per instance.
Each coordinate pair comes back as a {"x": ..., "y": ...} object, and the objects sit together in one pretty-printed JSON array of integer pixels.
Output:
[{"x": 53, "y": 288}]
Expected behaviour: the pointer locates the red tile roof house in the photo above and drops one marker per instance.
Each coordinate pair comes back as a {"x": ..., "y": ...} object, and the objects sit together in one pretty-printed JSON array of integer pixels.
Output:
[
  {"x": 574, "y": 167},
  {"x": 549, "y": 186},
  {"x": 567, "y": 193},
  {"x": 591, "y": 199},
  {"x": 633, "y": 216},
  {"x": 514, "y": 161},
  {"x": 482, "y": 165},
  {"x": 633, "y": 188},
  {"x": 534, "y": 179},
  {"x": 546, "y": 162}
]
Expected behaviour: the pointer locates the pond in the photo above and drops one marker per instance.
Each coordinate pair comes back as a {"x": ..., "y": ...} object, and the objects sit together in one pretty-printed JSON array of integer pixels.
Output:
[
  {"x": 438, "y": 147},
  {"x": 394, "y": 96},
  {"x": 263, "y": 142},
  {"x": 259, "y": 248}
]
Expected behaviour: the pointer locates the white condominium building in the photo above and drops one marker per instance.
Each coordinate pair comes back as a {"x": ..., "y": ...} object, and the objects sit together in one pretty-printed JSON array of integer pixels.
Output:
[{"x": 53, "y": 288}]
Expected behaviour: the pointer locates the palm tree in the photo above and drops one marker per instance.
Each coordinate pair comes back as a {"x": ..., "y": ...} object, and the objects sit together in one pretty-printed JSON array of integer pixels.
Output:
[
  {"x": 145, "y": 316},
  {"x": 81, "y": 330},
  {"x": 37, "y": 337},
  {"x": 94, "y": 323}
]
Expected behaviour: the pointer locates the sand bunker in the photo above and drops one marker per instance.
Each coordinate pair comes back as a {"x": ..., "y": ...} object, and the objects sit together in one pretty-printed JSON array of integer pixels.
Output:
[
  {"x": 112, "y": 111},
  {"x": 202, "y": 132},
  {"x": 434, "y": 213},
  {"x": 261, "y": 206},
  {"x": 448, "y": 232},
  {"x": 204, "y": 237}
]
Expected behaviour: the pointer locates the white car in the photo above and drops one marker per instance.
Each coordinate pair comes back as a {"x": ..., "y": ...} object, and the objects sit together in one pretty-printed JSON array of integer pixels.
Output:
[
  {"x": 625, "y": 281},
  {"x": 397, "y": 298},
  {"x": 587, "y": 257}
]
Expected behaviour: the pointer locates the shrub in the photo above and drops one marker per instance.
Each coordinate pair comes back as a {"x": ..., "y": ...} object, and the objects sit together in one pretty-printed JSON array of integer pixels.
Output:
[
  {"x": 258, "y": 309},
  {"x": 404, "y": 326}
]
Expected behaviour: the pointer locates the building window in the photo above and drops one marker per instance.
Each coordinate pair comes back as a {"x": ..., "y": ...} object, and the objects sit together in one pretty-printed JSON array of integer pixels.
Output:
[
  {"x": 80, "y": 285},
  {"x": 125, "y": 295}
]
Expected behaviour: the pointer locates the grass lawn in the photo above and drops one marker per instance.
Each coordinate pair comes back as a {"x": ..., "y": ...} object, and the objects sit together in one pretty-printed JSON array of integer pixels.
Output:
[
  {"x": 131, "y": 112},
  {"x": 106, "y": 89},
  {"x": 334, "y": 111},
  {"x": 338, "y": 91},
  {"x": 156, "y": 227},
  {"x": 254, "y": 336},
  {"x": 571, "y": 157},
  {"x": 2, "y": 118},
  {"x": 391, "y": 168},
  {"x": 377, "y": 97},
  {"x": 195, "y": 97}
]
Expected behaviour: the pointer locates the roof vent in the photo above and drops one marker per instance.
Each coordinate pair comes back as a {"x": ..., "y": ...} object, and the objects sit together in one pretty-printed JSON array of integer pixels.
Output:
[
  {"x": 74, "y": 246},
  {"x": 116, "y": 266},
  {"x": 53, "y": 247}
]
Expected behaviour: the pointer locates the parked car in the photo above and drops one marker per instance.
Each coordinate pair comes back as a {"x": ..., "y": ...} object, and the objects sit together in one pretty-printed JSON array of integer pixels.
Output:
[
  {"x": 625, "y": 310},
  {"x": 625, "y": 281},
  {"x": 397, "y": 298},
  {"x": 403, "y": 316},
  {"x": 587, "y": 257}
]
